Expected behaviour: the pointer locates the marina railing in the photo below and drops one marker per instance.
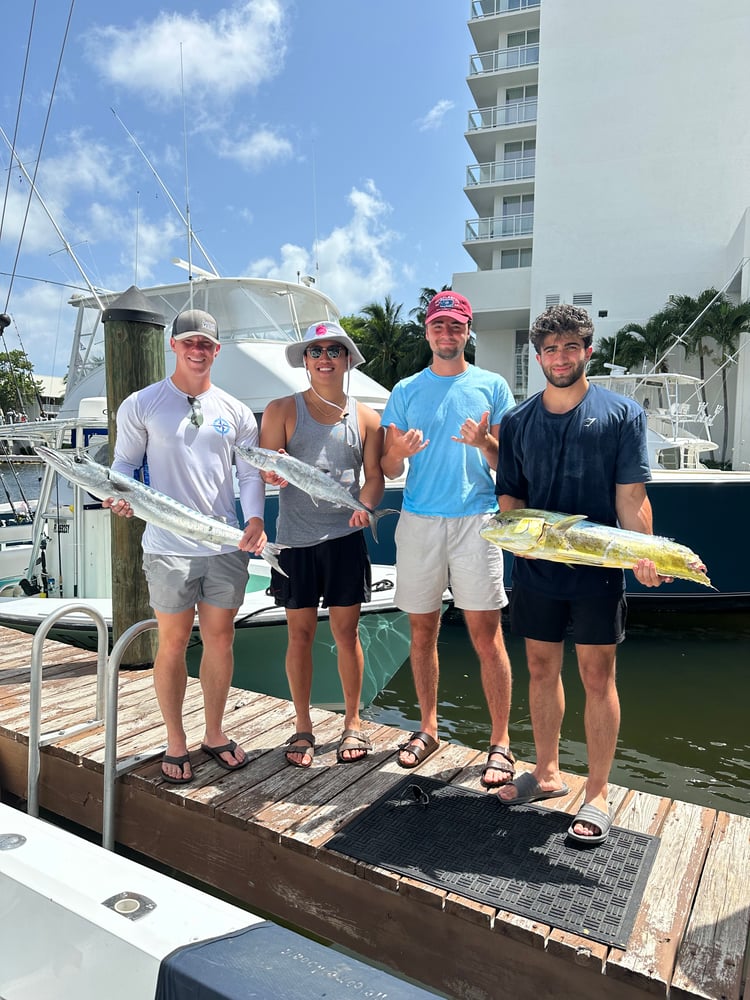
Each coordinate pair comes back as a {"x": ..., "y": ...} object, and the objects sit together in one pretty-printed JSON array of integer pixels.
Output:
[{"x": 105, "y": 713}]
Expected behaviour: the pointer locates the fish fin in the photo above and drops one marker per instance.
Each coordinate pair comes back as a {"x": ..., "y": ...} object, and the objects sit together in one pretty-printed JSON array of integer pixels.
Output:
[{"x": 568, "y": 522}]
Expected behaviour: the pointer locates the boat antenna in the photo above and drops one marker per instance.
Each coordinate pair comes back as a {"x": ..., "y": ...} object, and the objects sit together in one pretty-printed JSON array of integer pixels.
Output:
[
  {"x": 315, "y": 217},
  {"x": 137, "y": 226},
  {"x": 187, "y": 181},
  {"x": 164, "y": 188}
]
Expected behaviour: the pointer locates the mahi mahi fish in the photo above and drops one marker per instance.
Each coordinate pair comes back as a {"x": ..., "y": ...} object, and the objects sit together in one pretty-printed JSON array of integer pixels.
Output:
[
  {"x": 147, "y": 503},
  {"x": 571, "y": 539},
  {"x": 316, "y": 483}
]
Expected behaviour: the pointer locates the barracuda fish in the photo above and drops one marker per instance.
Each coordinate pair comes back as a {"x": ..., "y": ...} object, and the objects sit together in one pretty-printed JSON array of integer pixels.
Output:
[
  {"x": 147, "y": 503},
  {"x": 571, "y": 539},
  {"x": 316, "y": 483}
]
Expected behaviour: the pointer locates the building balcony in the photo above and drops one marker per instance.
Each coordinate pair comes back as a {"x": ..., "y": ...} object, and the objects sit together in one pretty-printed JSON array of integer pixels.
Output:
[
  {"x": 486, "y": 181},
  {"x": 489, "y": 128},
  {"x": 490, "y": 18},
  {"x": 503, "y": 115},
  {"x": 499, "y": 227},
  {"x": 489, "y": 8},
  {"x": 498, "y": 60},
  {"x": 500, "y": 172}
]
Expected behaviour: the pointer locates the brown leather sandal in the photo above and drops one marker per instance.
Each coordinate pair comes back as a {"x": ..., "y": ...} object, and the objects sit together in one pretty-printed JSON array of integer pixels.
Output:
[
  {"x": 308, "y": 751},
  {"x": 353, "y": 739},
  {"x": 505, "y": 766},
  {"x": 419, "y": 753}
]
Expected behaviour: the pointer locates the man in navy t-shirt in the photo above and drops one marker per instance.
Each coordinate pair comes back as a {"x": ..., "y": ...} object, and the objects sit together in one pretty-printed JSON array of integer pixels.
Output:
[{"x": 575, "y": 448}]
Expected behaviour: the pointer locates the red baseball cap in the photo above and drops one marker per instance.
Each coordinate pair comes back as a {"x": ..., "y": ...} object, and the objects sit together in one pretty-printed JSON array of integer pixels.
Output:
[{"x": 449, "y": 304}]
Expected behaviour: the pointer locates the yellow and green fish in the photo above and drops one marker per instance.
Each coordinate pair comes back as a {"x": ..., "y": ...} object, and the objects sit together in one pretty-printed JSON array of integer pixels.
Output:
[{"x": 571, "y": 539}]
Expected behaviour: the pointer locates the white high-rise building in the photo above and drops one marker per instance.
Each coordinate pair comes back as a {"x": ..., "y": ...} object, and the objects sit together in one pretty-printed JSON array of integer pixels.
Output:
[{"x": 610, "y": 148}]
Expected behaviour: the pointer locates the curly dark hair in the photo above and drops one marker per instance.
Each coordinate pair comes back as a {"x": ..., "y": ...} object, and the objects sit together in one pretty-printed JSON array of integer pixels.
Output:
[{"x": 561, "y": 319}]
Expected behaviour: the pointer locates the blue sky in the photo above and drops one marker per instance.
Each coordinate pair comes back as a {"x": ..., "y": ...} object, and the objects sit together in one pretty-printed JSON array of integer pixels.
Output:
[{"x": 322, "y": 136}]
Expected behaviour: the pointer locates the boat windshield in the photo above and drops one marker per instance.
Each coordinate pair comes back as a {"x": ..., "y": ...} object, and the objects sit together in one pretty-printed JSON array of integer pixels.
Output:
[{"x": 246, "y": 309}]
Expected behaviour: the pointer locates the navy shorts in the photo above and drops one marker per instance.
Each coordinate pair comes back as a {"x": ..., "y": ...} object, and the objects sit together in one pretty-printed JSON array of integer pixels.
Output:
[
  {"x": 335, "y": 573},
  {"x": 593, "y": 621}
]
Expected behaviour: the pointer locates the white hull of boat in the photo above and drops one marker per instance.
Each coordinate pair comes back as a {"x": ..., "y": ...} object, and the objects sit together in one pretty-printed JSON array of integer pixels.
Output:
[
  {"x": 260, "y": 636},
  {"x": 82, "y": 923},
  {"x": 61, "y": 940}
]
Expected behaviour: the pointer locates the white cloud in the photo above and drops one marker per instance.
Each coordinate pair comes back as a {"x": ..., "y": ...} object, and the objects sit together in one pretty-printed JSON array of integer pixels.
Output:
[
  {"x": 239, "y": 48},
  {"x": 85, "y": 169},
  {"x": 257, "y": 150},
  {"x": 435, "y": 116},
  {"x": 350, "y": 264}
]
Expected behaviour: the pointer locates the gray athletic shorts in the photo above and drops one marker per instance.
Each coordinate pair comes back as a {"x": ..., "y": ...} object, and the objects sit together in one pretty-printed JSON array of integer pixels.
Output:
[
  {"x": 178, "y": 583},
  {"x": 433, "y": 553}
]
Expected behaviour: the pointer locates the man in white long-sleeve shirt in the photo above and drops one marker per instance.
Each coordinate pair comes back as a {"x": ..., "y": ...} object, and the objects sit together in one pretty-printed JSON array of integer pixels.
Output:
[{"x": 182, "y": 430}]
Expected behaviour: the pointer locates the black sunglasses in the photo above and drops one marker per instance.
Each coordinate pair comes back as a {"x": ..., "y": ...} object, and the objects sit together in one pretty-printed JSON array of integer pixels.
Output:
[
  {"x": 196, "y": 411},
  {"x": 332, "y": 352}
]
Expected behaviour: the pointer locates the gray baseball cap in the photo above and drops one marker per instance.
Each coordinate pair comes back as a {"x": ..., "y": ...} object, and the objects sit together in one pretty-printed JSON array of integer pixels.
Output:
[{"x": 195, "y": 323}]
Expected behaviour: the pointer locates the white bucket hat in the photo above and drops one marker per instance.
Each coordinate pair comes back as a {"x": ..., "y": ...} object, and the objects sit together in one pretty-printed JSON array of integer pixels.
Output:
[{"x": 325, "y": 330}]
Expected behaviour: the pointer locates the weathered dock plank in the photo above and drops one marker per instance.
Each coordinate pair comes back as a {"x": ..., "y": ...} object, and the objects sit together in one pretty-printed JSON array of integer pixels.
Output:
[
  {"x": 665, "y": 907},
  {"x": 707, "y": 962}
]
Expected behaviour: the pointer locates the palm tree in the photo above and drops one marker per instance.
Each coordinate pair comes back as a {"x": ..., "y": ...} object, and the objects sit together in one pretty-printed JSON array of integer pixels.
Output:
[
  {"x": 656, "y": 338},
  {"x": 623, "y": 349},
  {"x": 687, "y": 310},
  {"x": 724, "y": 322},
  {"x": 380, "y": 334}
]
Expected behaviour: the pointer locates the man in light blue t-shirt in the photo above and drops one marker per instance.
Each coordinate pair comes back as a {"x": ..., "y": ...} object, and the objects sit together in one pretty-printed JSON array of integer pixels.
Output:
[{"x": 444, "y": 421}]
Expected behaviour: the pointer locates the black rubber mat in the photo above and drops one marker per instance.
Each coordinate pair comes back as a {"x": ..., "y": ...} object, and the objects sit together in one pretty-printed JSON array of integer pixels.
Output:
[{"x": 518, "y": 859}]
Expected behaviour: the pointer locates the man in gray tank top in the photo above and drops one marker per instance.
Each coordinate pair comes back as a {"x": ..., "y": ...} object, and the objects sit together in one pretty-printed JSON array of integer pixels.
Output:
[{"x": 327, "y": 555}]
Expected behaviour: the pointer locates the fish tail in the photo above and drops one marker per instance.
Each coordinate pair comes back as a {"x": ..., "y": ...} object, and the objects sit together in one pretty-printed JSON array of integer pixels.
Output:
[{"x": 375, "y": 515}]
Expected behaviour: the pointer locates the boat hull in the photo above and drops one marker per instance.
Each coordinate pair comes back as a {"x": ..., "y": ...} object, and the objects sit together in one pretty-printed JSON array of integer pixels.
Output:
[
  {"x": 81, "y": 923},
  {"x": 260, "y": 638}
]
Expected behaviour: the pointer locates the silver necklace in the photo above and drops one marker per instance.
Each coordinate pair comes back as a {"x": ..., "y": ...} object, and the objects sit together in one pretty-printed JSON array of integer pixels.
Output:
[{"x": 344, "y": 409}]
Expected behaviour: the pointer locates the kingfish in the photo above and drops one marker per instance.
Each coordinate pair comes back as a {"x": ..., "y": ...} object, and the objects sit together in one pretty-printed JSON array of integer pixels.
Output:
[
  {"x": 147, "y": 503},
  {"x": 316, "y": 483},
  {"x": 571, "y": 539}
]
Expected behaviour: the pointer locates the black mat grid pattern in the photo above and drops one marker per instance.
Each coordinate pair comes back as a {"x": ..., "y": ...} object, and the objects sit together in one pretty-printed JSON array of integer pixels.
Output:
[{"x": 518, "y": 859}]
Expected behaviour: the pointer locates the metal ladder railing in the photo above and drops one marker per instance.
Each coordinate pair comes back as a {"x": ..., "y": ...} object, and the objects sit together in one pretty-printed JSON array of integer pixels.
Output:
[{"x": 107, "y": 675}]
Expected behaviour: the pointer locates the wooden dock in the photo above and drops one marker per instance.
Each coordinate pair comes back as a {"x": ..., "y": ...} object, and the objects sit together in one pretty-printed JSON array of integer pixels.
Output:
[{"x": 260, "y": 836}]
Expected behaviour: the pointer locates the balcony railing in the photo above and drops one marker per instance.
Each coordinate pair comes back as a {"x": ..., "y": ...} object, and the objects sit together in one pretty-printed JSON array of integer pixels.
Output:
[
  {"x": 487, "y": 8},
  {"x": 503, "y": 170},
  {"x": 498, "y": 59},
  {"x": 513, "y": 113},
  {"x": 499, "y": 226}
]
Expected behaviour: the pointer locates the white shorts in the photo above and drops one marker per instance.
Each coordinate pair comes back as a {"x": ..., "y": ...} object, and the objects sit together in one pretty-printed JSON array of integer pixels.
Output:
[{"x": 433, "y": 553}]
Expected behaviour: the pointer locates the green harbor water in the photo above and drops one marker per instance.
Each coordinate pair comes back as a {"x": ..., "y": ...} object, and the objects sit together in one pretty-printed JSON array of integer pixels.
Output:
[{"x": 684, "y": 686}]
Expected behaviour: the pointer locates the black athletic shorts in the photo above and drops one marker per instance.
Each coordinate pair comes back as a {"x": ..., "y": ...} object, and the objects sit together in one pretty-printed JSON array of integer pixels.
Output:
[
  {"x": 593, "y": 621},
  {"x": 335, "y": 573}
]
